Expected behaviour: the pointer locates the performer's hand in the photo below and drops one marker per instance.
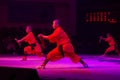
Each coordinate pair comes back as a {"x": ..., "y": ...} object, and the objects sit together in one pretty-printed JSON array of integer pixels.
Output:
[
  {"x": 40, "y": 35},
  {"x": 100, "y": 38},
  {"x": 18, "y": 41}
]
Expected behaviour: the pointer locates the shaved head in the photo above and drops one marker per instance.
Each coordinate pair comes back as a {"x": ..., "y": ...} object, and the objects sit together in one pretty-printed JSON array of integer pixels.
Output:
[
  {"x": 56, "y": 23},
  {"x": 28, "y": 28}
]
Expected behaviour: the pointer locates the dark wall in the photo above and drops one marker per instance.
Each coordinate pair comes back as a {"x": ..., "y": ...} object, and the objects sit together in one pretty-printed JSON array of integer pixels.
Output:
[{"x": 38, "y": 13}]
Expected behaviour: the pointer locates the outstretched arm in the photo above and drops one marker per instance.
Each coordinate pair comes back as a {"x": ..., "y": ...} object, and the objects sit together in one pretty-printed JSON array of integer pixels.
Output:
[
  {"x": 101, "y": 38},
  {"x": 18, "y": 41},
  {"x": 42, "y": 37}
]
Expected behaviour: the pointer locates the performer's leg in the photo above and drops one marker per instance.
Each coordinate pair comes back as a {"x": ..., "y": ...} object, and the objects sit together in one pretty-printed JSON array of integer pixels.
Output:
[
  {"x": 38, "y": 51},
  {"x": 75, "y": 59},
  {"x": 53, "y": 55},
  {"x": 27, "y": 50},
  {"x": 69, "y": 52},
  {"x": 43, "y": 64},
  {"x": 60, "y": 49},
  {"x": 109, "y": 49},
  {"x": 117, "y": 51}
]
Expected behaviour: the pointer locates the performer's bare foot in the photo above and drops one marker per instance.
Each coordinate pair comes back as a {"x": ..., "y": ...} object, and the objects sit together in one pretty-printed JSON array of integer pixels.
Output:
[
  {"x": 24, "y": 58},
  {"x": 103, "y": 55},
  {"x": 40, "y": 67}
]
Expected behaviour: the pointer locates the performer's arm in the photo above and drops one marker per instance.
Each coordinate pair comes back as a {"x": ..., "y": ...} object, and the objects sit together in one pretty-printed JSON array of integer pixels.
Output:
[
  {"x": 24, "y": 38},
  {"x": 101, "y": 38},
  {"x": 18, "y": 41},
  {"x": 43, "y": 36},
  {"x": 52, "y": 37}
]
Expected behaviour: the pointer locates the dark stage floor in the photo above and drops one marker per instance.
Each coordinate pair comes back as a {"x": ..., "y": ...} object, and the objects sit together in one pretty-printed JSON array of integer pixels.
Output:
[{"x": 100, "y": 68}]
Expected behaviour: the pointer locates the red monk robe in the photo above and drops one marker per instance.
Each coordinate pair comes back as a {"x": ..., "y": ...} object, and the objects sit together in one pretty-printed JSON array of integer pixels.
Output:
[
  {"x": 61, "y": 38},
  {"x": 33, "y": 47},
  {"x": 63, "y": 48},
  {"x": 30, "y": 39},
  {"x": 112, "y": 45}
]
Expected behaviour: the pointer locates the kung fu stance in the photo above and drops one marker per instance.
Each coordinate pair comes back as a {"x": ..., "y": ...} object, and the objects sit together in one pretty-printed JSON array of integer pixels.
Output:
[
  {"x": 64, "y": 47},
  {"x": 112, "y": 44},
  {"x": 33, "y": 46}
]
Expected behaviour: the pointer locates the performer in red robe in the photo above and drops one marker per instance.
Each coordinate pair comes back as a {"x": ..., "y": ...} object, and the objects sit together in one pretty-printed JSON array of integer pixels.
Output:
[
  {"x": 112, "y": 44},
  {"x": 33, "y": 46},
  {"x": 64, "y": 47}
]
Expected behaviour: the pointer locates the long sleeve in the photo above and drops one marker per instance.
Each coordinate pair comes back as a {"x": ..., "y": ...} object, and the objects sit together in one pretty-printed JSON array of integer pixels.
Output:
[
  {"x": 29, "y": 38},
  {"x": 59, "y": 36}
]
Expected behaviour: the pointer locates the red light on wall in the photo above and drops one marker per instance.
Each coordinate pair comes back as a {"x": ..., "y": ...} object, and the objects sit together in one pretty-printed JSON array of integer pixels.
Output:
[
  {"x": 87, "y": 17},
  {"x": 99, "y": 17},
  {"x": 112, "y": 21},
  {"x": 105, "y": 16},
  {"x": 108, "y": 13},
  {"x": 94, "y": 16},
  {"x": 90, "y": 17},
  {"x": 108, "y": 16}
]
